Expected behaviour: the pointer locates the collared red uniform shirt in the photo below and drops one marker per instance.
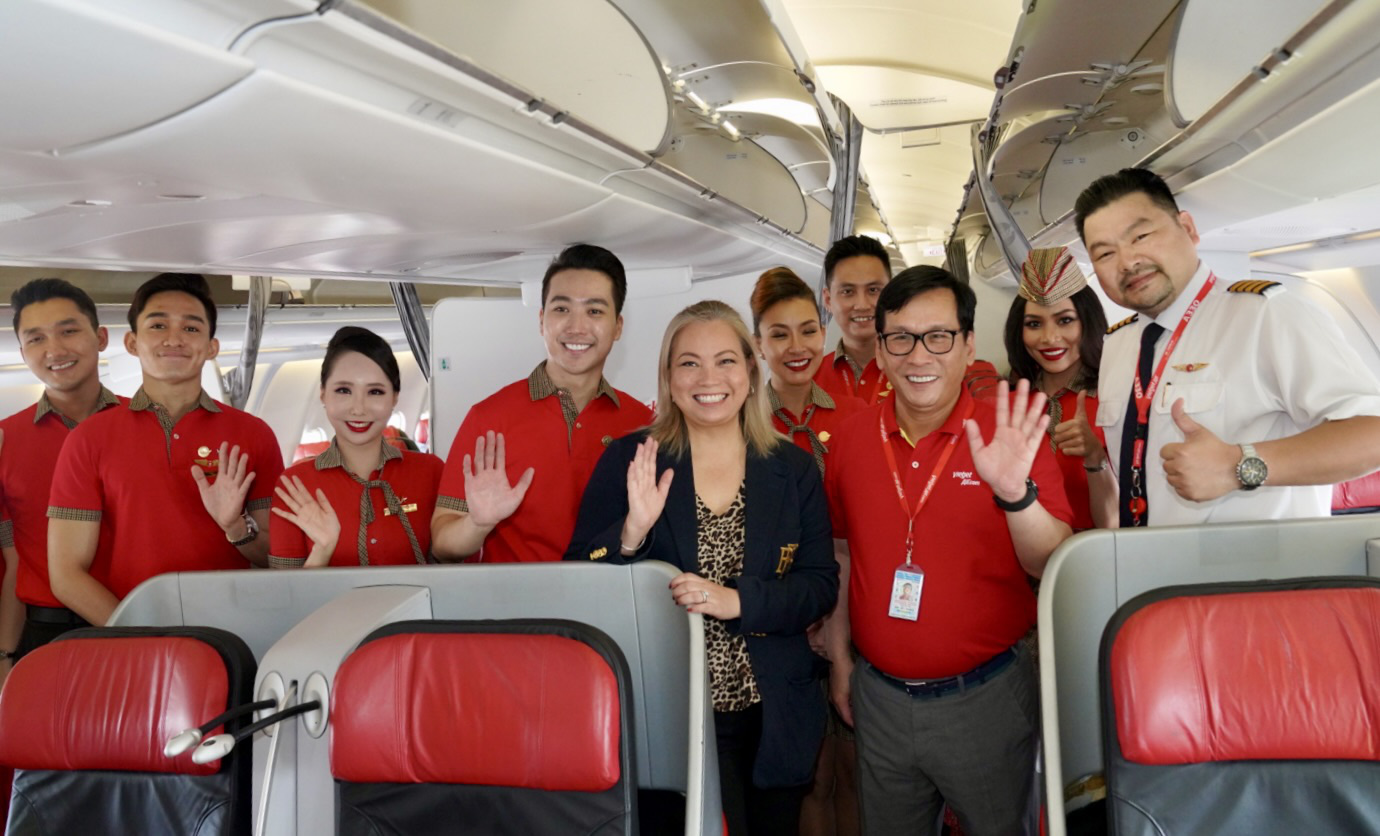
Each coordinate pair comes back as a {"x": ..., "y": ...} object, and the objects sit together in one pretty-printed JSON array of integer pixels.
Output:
[
  {"x": 129, "y": 468},
  {"x": 541, "y": 430},
  {"x": 1250, "y": 367},
  {"x": 841, "y": 377},
  {"x": 977, "y": 599},
  {"x": 829, "y": 411},
  {"x": 412, "y": 480},
  {"x": 33, "y": 439}
]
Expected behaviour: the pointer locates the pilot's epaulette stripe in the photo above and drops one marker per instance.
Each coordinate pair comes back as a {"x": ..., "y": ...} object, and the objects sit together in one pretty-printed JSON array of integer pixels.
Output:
[
  {"x": 1123, "y": 323},
  {"x": 1260, "y": 287}
]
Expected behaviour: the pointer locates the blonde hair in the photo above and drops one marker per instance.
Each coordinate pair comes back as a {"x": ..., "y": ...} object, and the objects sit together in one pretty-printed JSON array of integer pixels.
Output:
[{"x": 754, "y": 419}]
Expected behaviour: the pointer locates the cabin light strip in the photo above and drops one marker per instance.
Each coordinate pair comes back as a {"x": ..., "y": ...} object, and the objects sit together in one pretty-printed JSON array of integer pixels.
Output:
[{"x": 1338, "y": 241}]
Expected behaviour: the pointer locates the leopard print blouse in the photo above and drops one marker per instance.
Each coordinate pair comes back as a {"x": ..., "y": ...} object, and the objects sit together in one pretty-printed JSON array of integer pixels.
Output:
[{"x": 721, "y": 537}]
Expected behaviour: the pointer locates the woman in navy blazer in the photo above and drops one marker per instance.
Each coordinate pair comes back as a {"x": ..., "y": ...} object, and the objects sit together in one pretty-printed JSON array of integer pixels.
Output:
[{"x": 713, "y": 489}]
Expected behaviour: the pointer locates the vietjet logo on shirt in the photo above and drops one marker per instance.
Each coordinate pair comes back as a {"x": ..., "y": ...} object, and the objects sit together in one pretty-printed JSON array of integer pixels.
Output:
[{"x": 967, "y": 478}]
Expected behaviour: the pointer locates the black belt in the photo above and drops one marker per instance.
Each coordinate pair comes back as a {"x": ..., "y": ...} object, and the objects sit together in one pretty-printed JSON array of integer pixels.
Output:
[
  {"x": 53, "y": 615},
  {"x": 929, "y": 688}
]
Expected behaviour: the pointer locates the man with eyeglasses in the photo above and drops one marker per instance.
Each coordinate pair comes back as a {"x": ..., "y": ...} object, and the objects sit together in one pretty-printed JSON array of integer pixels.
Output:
[{"x": 963, "y": 500}]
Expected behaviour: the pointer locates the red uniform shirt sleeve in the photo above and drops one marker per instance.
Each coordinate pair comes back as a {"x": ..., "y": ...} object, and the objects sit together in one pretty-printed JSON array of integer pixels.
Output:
[
  {"x": 285, "y": 539},
  {"x": 77, "y": 477},
  {"x": 266, "y": 459},
  {"x": 833, "y": 487},
  {"x": 1050, "y": 482}
]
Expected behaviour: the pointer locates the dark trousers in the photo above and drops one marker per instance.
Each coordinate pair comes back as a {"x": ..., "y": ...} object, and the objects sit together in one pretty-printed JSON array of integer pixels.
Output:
[
  {"x": 748, "y": 809},
  {"x": 38, "y": 633}
]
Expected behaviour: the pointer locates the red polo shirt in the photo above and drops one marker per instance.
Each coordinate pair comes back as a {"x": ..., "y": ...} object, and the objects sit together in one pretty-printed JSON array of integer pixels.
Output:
[
  {"x": 1075, "y": 477},
  {"x": 541, "y": 431},
  {"x": 33, "y": 439},
  {"x": 842, "y": 379},
  {"x": 410, "y": 478},
  {"x": 826, "y": 413},
  {"x": 977, "y": 600},
  {"x": 130, "y": 469}
]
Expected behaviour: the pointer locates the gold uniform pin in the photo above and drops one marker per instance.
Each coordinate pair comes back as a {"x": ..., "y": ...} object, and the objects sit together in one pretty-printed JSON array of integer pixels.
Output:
[
  {"x": 1189, "y": 367},
  {"x": 783, "y": 565},
  {"x": 824, "y": 437},
  {"x": 203, "y": 451}
]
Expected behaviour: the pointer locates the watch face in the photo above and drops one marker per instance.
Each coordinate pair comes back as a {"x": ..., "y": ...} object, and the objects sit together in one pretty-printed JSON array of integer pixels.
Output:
[{"x": 1251, "y": 472}]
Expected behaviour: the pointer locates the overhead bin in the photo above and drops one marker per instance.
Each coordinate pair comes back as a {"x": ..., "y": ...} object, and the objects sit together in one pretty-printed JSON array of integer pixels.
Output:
[
  {"x": 349, "y": 146},
  {"x": 1204, "y": 66},
  {"x": 77, "y": 72},
  {"x": 582, "y": 56}
]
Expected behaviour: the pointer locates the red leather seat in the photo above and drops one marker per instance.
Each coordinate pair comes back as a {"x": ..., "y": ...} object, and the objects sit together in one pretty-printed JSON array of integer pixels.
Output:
[
  {"x": 1244, "y": 708},
  {"x": 83, "y": 721},
  {"x": 1359, "y": 496},
  {"x": 515, "y": 727}
]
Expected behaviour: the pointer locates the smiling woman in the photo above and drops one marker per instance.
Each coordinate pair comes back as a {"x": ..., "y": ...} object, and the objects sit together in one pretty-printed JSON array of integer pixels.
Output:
[
  {"x": 362, "y": 501},
  {"x": 1054, "y": 334},
  {"x": 713, "y": 490}
]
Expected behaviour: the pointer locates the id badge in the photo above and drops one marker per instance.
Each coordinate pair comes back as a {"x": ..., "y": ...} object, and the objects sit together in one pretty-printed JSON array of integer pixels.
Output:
[{"x": 906, "y": 585}]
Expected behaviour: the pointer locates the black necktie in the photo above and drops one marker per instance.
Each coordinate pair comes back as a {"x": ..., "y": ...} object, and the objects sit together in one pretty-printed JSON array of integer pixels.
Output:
[{"x": 1132, "y": 480}]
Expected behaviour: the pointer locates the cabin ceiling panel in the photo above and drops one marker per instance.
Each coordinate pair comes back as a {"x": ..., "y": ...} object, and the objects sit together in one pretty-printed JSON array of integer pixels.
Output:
[
  {"x": 910, "y": 63},
  {"x": 78, "y": 72},
  {"x": 545, "y": 48},
  {"x": 886, "y": 98}
]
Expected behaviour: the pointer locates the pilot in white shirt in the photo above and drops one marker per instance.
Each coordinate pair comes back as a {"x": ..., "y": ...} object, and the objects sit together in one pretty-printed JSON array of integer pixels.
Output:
[{"x": 1261, "y": 405}]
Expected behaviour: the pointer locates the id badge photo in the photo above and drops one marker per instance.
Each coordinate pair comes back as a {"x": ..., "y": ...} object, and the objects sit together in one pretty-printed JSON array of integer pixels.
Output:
[{"x": 906, "y": 586}]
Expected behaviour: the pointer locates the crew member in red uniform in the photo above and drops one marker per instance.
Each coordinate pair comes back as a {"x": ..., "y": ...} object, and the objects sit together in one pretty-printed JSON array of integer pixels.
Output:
[
  {"x": 856, "y": 269},
  {"x": 172, "y": 482},
  {"x": 361, "y": 501},
  {"x": 962, "y": 499},
  {"x": 1054, "y": 338},
  {"x": 790, "y": 339},
  {"x": 518, "y": 467},
  {"x": 61, "y": 339}
]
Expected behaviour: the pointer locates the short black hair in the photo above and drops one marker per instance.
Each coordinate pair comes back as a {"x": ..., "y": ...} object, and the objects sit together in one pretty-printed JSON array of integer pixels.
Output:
[
  {"x": 1094, "y": 321},
  {"x": 913, "y": 281},
  {"x": 1112, "y": 187},
  {"x": 589, "y": 257},
  {"x": 851, "y": 246},
  {"x": 42, "y": 290},
  {"x": 366, "y": 342},
  {"x": 192, "y": 284}
]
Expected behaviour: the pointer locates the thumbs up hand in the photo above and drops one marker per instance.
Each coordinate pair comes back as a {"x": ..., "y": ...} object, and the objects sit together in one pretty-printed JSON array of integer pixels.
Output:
[
  {"x": 1202, "y": 467},
  {"x": 1075, "y": 437}
]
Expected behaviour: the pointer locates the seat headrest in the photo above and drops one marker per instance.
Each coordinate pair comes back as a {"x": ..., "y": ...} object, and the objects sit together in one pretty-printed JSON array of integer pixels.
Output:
[
  {"x": 1287, "y": 674},
  {"x": 110, "y": 703},
  {"x": 499, "y": 709}
]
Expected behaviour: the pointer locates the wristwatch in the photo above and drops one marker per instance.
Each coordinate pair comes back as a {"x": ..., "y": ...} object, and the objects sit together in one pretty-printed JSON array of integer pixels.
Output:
[
  {"x": 1251, "y": 471},
  {"x": 1032, "y": 492},
  {"x": 251, "y": 530}
]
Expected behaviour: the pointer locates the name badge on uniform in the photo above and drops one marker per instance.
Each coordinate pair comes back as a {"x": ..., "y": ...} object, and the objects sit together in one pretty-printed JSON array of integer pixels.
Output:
[{"x": 906, "y": 585}]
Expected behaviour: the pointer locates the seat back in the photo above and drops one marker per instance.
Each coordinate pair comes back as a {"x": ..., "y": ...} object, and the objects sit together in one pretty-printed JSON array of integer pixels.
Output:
[
  {"x": 83, "y": 720},
  {"x": 1244, "y": 708},
  {"x": 519, "y": 727}
]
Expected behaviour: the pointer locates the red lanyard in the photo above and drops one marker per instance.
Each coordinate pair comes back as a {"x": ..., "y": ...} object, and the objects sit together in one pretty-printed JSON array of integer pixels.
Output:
[
  {"x": 929, "y": 486},
  {"x": 1146, "y": 395}
]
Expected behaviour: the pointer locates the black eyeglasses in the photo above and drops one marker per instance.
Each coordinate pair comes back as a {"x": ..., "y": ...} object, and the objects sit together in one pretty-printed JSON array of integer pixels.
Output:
[{"x": 901, "y": 343}]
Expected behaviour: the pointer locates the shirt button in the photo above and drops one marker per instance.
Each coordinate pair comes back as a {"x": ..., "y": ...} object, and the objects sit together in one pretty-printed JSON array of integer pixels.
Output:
[
  {"x": 915, "y": 464},
  {"x": 176, "y": 436},
  {"x": 373, "y": 542},
  {"x": 579, "y": 426}
]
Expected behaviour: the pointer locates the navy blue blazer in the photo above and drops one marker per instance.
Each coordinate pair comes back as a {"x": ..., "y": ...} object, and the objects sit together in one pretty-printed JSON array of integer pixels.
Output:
[{"x": 789, "y": 580}]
